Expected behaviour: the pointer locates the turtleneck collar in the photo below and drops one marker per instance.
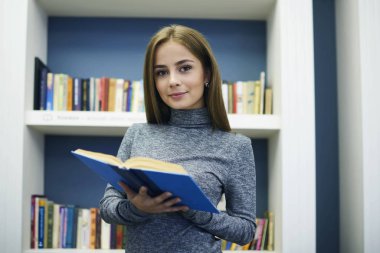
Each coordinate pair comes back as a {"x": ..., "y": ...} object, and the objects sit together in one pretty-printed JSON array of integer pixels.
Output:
[{"x": 190, "y": 118}]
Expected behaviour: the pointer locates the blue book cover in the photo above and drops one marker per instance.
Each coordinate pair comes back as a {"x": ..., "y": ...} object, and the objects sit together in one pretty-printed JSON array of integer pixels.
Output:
[
  {"x": 41, "y": 224},
  {"x": 69, "y": 228},
  {"x": 157, "y": 175}
]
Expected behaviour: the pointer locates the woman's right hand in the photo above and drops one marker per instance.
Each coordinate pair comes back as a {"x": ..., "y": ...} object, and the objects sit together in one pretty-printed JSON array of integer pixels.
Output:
[{"x": 163, "y": 203}]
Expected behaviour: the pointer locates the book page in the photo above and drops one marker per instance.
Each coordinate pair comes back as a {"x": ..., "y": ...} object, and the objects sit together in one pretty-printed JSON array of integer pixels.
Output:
[
  {"x": 110, "y": 159},
  {"x": 145, "y": 163}
]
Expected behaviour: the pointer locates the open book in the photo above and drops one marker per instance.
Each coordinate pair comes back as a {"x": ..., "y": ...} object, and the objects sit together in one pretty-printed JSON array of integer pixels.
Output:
[{"x": 158, "y": 176}]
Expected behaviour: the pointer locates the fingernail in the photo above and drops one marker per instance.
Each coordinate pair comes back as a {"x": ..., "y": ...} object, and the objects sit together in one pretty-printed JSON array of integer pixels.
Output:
[{"x": 168, "y": 194}]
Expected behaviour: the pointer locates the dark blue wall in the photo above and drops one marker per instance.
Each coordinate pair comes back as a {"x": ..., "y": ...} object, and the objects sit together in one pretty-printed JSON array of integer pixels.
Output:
[
  {"x": 115, "y": 47},
  {"x": 326, "y": 119},
  {"x": 87, "y": 47}
]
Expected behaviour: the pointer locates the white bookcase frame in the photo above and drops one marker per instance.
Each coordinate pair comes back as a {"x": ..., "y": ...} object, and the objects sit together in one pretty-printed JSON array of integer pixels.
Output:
[{"x": 290, "y": 131}]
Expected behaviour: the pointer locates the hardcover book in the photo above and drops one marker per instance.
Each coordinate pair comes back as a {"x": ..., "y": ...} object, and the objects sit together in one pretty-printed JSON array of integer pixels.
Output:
[{"x": 158, "y": 176}]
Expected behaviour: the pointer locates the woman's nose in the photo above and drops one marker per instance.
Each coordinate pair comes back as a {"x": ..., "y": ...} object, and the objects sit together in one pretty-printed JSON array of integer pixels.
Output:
[{"x": 174, "y": 80}]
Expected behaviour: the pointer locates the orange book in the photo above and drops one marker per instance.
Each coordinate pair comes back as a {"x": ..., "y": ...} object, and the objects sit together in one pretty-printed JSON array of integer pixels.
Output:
[
  {"x": 119, "y": 236},
  {"x": 69, "y": 93},
  {"x": 93, "y": 212}
]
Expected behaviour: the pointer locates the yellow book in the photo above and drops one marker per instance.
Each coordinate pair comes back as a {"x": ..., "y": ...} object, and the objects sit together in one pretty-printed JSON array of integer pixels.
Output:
[
  {"x": 233, "y": 246},
  {"x": 158, "y": 176},
  {"x": 111, "y": 94},
  {"x": 257, "y": 99},
  {"x": 270, "y": 235},
  {"x": 268, "y": 100}
]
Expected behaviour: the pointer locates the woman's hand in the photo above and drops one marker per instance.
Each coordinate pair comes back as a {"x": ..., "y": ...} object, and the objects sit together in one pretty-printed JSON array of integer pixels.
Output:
[{"x": 160, "y": 204}]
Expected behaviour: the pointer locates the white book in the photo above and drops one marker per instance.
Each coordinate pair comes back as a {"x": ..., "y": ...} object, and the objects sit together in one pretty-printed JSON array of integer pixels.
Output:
[
  {"x": 105, "y": 236},
  {"x": 79, "y": 229},
  {"x": 135, "y": 96},
  {"x": 141, "y": 105},
  {"x": 119, "y": 95},
  {"x": 262, "y": 82},
  {"x": 36, "y": 220},
  {"x": 56, "y": 226},
  {"x": 86, "y": 229}
]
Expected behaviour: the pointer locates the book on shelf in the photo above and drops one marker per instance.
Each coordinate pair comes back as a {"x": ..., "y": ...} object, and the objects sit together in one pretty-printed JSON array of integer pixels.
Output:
[
  {"x": 40, "y": 84},
  {"x": 158, "y": 176},
  {"x": 247, "y": 97},
  {"x": 69, "y": 226},
  {"x": 61, "y": 92},
  {"x": 260, "y": 240}
]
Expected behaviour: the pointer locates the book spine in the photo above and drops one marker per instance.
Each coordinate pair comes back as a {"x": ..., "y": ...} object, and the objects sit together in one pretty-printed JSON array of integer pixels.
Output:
[
  {"x": 262, "y": 89},
  {"x": 56, "y": 226},
  {"x": 92, "y": 228},
  {"x": 97, "y": 94},
  {"x": 75, "y": 228},
  {"x": 257, "y": 98},
  {"x": 85, "y": 97},
  {"x": 50, "y": 92},
  {"x": 43, "y": 88},
  {"x": 69, "y": 97},
  {"x": 119, "y": 95},
  {"x": 111, "y": 94},
  {"x": 119, "y": 236},
  {"x": 41, "y": 223},
  {"x": 113, "y": 236},
  {"x": 98, "y": 232},
  {"x": 69, "y": 228},
  {"x": 49, "y": 222}
]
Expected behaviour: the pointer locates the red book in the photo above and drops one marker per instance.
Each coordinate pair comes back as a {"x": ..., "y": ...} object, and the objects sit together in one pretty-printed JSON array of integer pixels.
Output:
[
  {"x": 34, "y": 213},
  {"x": 104, "y": 86},
  {"x": 235, "y": 97}
]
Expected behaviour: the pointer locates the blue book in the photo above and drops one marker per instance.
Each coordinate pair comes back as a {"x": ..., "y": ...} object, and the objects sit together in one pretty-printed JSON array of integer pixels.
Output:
[
  {"x": 69, "y": 227},
  {"x": 41, "y": 224},
  {"x": 158, "y": 176}
]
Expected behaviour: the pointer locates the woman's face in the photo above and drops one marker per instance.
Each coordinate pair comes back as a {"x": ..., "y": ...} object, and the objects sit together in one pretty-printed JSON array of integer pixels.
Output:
[{"x": 179, "y": 76}]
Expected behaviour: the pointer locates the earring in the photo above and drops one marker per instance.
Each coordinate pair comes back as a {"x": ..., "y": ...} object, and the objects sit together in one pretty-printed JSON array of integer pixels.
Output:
[{"x": 206, "y": 84}]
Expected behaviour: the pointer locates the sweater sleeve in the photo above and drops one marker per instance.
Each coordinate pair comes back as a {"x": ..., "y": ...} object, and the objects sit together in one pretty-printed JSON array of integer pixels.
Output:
[
  {"x": 115, "y": 206},
  {"x": 238, "y": 223}
]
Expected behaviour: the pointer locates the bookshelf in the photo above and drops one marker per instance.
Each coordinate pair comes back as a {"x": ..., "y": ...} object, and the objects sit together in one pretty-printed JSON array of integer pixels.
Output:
[{"x": 290, "y": 131}]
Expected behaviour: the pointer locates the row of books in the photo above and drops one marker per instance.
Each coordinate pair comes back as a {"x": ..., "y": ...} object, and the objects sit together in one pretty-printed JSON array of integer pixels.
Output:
[
  {"x": 264, "y": 236},
  {"x": 61, "y": 92},
  {"x": 247, "y": 97},
  {"x": 67, "y": 226}
]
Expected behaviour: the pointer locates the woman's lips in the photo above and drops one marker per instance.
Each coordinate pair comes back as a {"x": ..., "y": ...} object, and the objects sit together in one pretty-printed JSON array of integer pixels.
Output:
[{"x": 177, "y": 95}]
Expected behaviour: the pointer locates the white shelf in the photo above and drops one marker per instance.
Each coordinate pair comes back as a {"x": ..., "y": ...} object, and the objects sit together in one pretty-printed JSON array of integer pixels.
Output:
[
  {"x": 116, "y": 251},
  {"x": 210, "y": 9},
  {"x": 115, "y": 123}
]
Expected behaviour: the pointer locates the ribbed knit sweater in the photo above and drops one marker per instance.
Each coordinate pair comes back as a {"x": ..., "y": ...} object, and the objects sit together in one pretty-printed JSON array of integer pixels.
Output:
[{"x": 220, "y": 162}]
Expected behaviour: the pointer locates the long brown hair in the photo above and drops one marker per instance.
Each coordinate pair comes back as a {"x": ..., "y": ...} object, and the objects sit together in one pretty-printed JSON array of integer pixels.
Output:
[{"x": 157, "y": 112}]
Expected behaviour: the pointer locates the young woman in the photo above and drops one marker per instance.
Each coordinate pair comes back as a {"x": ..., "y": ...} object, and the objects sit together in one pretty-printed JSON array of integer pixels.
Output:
[{"x": 187, "y": 125}]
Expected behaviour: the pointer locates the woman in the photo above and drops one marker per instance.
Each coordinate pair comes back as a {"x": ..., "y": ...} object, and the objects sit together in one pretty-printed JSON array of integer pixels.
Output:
[{"x": 187, "y": 125}]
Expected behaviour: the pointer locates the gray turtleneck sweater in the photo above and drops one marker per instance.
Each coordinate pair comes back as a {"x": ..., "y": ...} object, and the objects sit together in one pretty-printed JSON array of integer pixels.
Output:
[{"x": 220, "y": 162}]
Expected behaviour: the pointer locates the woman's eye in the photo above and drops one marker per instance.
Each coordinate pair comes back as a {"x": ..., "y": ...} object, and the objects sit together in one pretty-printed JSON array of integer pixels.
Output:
[
  {"x": 161, "y": 73},
  {"x": 185, "y": 68}
]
